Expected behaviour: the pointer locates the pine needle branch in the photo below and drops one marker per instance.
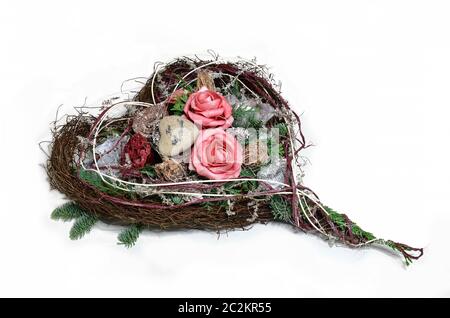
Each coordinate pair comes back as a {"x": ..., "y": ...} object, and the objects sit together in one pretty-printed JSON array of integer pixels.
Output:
[
  {"x": 67, "y": 212},
  {"x": 82, "y": 226},
  {"x": 339, "y": 220},
  {"x": 281, "y": 208},
  {"x": 130, "y": 235},
  {"x": 94, "y": 179}
]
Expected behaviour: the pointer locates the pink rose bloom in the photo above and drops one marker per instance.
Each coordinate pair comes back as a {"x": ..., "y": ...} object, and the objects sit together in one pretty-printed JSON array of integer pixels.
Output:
[
  {"x": 216, "y": 155},
  {"x": 208, "y": 109}
]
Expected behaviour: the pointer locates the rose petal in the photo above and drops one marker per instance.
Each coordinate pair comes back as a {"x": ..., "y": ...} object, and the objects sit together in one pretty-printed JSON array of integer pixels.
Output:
[
  {"x": 227, "y": 110},
  {"x": 210, "y": 113}
]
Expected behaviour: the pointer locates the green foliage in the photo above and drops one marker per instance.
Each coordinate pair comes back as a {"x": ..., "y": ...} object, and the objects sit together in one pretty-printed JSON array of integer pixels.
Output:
[
  {"x": 282, "y": 129},
  {"x": 176, "y": 199},
  {"x": 129, "y": 235},
  {"x": 209, "y": 206},
  {"x": 82, "y": 226},
  {"x": 236, "y": 187},
  {"x": 246, "y": 117},
  {"x": 240, "y": 112},
  {"x": 277, "y": 148},
  {"x": 94, "y": 179},
  {"x": 247, "y": 172},
  {"x": 254, "y": 122},
  {"x": 185, "y": 85},
  {"x": 337, "y": 218},
  {"x": 108, "y": 132},
  {"x": 248, "y": 186},
  {"x": 149, "y": 171},
  {"x": 215, "y": 205},
  {"x": 391, "y": 244},
  {"x": 232, "y": 188},
  {"x": 67, "y": 212},
  {"x": 236, "y": 89},
  {"x": 178, "y": 107},
  {"x": 281, "y": 208},
  {"x": 340, "y": 222},
  {"x": 361, "y": 233},
  {"x": 83, "y": 220}
]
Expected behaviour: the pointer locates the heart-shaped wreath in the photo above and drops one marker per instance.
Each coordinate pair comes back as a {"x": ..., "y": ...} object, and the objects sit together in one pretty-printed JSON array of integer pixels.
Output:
[{"x": 204, "y": 144}]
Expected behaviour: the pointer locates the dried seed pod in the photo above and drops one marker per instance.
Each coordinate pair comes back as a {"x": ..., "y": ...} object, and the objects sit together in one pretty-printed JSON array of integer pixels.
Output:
[
  {"x": 205, "y": 79},
  {"x": 170, "y": 170}
]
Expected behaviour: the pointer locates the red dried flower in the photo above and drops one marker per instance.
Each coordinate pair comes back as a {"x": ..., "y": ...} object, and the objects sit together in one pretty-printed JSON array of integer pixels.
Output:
[{"x": 137, "y": 152}]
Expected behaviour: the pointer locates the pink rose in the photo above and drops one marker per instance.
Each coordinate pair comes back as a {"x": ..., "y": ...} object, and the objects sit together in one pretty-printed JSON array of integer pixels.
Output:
[
  {"x": 208, "y": 109},
  {"x": 216, "y": 155}
]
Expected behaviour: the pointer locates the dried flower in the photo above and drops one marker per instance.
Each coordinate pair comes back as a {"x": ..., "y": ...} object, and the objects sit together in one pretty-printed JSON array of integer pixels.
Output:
[
  {"x": 137, "y": 152},
  {"x": 170, "y": 170}
]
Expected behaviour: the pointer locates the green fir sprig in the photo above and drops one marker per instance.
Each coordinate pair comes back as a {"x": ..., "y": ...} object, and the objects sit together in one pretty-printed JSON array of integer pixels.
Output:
[
  {"x": 236, "y": 89},
  {"x": 67, "y": 212},
  {"x": 282, "y": 129},
  {"x": 94, "y": 179},
  {"x": 281, "y": 208},
  {"x": 84, "y": 222},
  {"x": 339, "y": 220},
  {"x": 129, "y": 236},
  {"x": 176, "y": 199},
  {"x": 82, "y": 226},
  {"x": 248, "y": 186},
  {"x": 246, "y": 117},
  {"x": 277, "y": 148}
]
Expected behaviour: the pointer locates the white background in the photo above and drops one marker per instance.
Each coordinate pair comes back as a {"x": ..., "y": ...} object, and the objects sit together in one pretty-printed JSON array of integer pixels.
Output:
[{"x": 371, "y": 77}]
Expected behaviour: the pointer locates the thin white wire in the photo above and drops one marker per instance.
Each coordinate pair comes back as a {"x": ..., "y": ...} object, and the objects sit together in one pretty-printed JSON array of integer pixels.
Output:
[{"x": 320, "y": 228}]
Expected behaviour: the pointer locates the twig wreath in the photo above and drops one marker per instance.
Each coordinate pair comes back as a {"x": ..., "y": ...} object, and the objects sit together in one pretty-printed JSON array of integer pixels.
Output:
[{"x": 204, "y": 144}]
